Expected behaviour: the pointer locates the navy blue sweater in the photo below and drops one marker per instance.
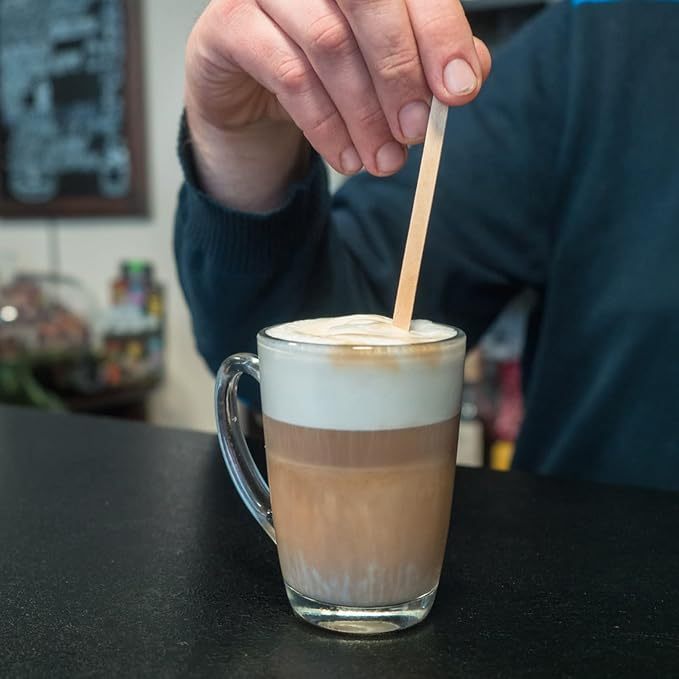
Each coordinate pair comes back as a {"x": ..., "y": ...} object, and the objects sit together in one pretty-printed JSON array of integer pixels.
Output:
[{"x": 562, "y": 177}]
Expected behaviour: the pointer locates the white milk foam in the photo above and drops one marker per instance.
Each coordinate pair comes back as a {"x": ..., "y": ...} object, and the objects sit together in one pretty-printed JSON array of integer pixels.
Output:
[
  {"x": 367, "y": 376},
  {"x": 360, "y": 329}
]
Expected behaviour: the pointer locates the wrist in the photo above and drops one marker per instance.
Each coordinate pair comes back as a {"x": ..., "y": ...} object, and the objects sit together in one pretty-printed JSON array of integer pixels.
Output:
[{"x": 248, "y": 168}]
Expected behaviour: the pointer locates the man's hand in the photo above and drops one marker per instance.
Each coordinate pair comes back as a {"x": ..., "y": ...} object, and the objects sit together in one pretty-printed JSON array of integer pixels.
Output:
[{"x": 354, "y": 76}]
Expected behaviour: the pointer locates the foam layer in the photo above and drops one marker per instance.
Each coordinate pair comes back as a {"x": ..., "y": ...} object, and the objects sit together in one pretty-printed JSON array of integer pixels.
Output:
[
  {"x": 363, "y": 329},
  {"x": 362, "y": 386}
]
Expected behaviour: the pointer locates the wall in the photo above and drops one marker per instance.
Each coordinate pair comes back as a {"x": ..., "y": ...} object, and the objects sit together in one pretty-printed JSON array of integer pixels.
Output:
[{"x": 91, "y": 250}]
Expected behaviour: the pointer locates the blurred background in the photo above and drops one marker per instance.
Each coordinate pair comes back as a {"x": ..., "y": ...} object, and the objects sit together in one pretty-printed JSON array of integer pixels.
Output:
[{"x": 92, "y": 318}]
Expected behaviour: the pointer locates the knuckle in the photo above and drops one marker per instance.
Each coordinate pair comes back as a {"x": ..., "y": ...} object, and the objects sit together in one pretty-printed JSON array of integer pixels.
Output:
[
  {"x": 292, "y": 75},
  {"x": 399, "y": 65},
  {"x": 329, "y": 35},
  {"x": 225, "y": 12},
  {"x": 443, "y": 24},
  {"x": 212, "y": 39},
  {"x": 323, "y": 124},
  {"x": 203, "y": 63},
  {"x": 227, "y": 8},
  {"x": 371, "y": 117}
]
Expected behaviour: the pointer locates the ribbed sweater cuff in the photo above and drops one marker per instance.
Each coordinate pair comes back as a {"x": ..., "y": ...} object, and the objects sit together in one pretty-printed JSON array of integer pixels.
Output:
[{"x": 242, "y": 241}]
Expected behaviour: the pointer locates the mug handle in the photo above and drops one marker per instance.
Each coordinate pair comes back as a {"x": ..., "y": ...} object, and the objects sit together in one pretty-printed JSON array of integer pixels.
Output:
[{"x": 244, "y": 472}]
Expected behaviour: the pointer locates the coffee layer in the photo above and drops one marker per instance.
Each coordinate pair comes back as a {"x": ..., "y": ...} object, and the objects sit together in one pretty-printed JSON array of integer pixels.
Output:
[
  {"x": 428, "y": 444},
  {"x": 361, "y": 534}
]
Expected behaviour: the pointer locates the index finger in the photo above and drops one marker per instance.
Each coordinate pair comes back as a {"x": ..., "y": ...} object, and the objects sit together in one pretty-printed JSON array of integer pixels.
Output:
[{"x": 385, "y": 37}]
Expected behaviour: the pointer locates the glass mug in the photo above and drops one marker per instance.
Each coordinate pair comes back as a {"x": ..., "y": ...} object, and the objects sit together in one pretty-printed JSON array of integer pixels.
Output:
[{"x": 360, "y": 448}]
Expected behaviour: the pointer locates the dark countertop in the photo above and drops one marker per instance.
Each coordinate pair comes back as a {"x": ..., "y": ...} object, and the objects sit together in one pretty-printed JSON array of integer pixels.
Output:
[{"x": 125, "y": 551}]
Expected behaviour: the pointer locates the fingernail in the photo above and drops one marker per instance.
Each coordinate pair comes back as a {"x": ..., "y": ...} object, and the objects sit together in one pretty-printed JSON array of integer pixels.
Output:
[
  {"x": 350, "y": 161},
  {"x": 390, "y": 157},
  {"x": 413, "y": 119},
  {"x": 459, "y": 78}
]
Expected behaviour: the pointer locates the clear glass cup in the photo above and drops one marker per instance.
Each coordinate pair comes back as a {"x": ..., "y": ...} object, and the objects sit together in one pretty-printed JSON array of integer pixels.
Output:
[{"x": 360, "y": 446}]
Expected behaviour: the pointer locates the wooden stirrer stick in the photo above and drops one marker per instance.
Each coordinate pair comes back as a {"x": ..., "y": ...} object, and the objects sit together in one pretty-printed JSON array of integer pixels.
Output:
[{"x": 419, "y": 219}]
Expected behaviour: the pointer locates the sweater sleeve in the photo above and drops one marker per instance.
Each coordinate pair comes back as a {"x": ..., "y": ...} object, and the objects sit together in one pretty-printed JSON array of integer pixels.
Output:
[{"x": 489, "y": 235}]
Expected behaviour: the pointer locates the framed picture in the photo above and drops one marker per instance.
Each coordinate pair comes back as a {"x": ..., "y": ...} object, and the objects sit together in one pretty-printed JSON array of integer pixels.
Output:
[{"x": 72, "y": 138}]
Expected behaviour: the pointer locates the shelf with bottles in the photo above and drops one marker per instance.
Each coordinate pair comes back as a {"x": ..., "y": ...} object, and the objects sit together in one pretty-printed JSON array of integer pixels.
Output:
[
  {"x": 56, "y": 344},
  {"x": 492, "y": 398},
  {"x": 133, "y": 329}
]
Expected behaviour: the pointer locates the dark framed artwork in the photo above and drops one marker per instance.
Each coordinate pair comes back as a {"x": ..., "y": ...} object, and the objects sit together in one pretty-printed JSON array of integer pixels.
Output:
[{"x": 72, "y": 137}]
